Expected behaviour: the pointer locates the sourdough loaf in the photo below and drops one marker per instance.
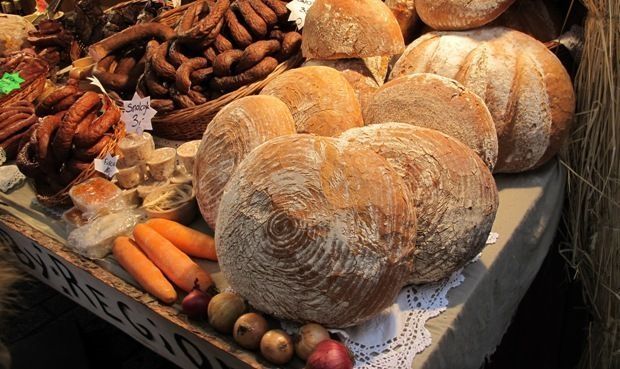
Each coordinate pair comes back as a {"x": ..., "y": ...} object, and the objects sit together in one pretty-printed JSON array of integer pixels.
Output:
[
  {"x": 320, "y": 98},
  {"x": 356, "y": 72},
  {"x": 454, "y": 15},
  {"x": 454, "y": 192},
  {"x": 525, "y": 87},
  {"x": 313, "y": 230},
  {"x": 336, "y": 29},
  {"x": 431, "y": 101},
  {"x": 235, "y": 131}
]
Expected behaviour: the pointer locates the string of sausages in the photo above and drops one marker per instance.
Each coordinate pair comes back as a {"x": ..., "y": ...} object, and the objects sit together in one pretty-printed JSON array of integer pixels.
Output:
[
  {"x": 16, "y": 120},
  {"x": 53, "y": 43},
  {"x": 215, "y": 48},
  {"x": 75, "y": 128}
]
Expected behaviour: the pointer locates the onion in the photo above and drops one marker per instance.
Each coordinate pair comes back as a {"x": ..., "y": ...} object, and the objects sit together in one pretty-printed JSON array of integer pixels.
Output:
[
  {"x": 249, "y": 329},
  {"x": 195, "y": 304},
  {"x": 277, "y": 347},
  {"x": 309, "y": 336},
  {"x": 224, "y": 310},
  {"x": 330, "y": 354}
]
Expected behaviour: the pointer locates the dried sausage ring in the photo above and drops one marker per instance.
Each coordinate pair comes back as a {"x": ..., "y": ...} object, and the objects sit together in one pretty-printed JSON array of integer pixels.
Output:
[
  {"x": 99, "y": 126},
  {"x": 204, "y": 27},
  {"x": 255, "y": 23},
  {"x": 223, "y": 63},
  {"x": 52, "y": 99},
  {"x": 265, "y": 12},
  {"x": 256, "y": 73},
  {"x": 162, "y": 105},
  {"x": 240, "y": 35},
  {"x": 200, "y": 75},
  {"x": 45, "y": 131},
  {"x": 278, "y": 7},
  {"x": 90, "y": 153},
  {"x": 160, "y": 65},
  {"x": 176, "y": 56},
  {"x": 16, "y": 123},
  {"x": 183, "y": 82},
  {"x": 256, "y": 52},
  {"x": 291, "y": 43},
  {"x": 197, "y": 97},
  {"x": 130, "y": 35},
  {"x": 222, "y": 44},
  {"x": 182, "y": 101},
  {"x": 64, "y": 136}
]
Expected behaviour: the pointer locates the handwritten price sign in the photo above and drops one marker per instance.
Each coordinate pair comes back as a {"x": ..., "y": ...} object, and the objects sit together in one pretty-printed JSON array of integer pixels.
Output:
[
  {"x": 299, "y": 9},
  {"x": 137, "y": 114},
  {"x": 107, "y": 165}
]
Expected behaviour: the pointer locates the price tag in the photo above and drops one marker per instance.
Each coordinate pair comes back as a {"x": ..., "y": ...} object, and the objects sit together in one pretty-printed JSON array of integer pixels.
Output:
[
  {"x": 299, "y": 9},
  {"x": 137, "y": 114},
  {"x": 10, "y": 82},
  {"x": 107, "y": 165}
]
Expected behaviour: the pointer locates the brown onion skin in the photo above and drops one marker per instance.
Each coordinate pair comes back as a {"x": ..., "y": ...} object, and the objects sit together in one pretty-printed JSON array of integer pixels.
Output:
[
  {"x": 309, "y": 336},
  {"x": 249, "y": 329},
  {"x": 224, "y": 310},
  {"x": 277, "y": 347},
  {"x": 330, "y": 354}
]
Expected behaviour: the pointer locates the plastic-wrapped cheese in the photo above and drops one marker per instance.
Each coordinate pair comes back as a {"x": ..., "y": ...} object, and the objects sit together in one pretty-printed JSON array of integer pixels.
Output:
[{"x": 97, "y": 196}]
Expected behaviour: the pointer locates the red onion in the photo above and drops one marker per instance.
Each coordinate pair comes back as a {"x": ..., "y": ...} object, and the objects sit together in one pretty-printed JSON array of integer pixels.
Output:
[
  {"x": 330, "y": 354},
  {"x": 195, "y": 304}
]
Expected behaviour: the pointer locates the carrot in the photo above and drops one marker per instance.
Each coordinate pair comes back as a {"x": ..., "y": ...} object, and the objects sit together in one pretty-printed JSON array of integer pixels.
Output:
[
  {"x": 188, "y": 240},
  {"x": 143, "y": 270},
  {"x": 174, "y": 263}
]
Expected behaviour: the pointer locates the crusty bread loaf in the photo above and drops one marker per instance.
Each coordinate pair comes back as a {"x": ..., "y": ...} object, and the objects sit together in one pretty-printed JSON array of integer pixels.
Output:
[
  {"x": 454, "y": 192},
  {"x": 320, "y": 98},
  {"x": 431, "y": 101},
  {"x": 313, "y": 231},
  {"x": 336, "y": 29},
  {"x": 407, "y": 17},
  {"x": 452, "y": 15},
  {"x": 525, "y": 87},
  {"x": 357, "y": 72},
  {"x": 235, "y": 131}
]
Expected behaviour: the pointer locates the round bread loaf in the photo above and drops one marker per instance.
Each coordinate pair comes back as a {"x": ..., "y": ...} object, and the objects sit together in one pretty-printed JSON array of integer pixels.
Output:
[
  {"x": 407, "y": 17},
  {"x": 525, "y": 87},
  {"x": 356, "y": 72},
  {"x": 320, "y": 98},
  {"x": 313, "y": 231},
  {"x": 431, "y": 101},
  {"x": 454, "y": 192},
  {"x": 336, "y": 29},
  {"x": 236, "y": 130},
  {"x": 452, "y": 15}
]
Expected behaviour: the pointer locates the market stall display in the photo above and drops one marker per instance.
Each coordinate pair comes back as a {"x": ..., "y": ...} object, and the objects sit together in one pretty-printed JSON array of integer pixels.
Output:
[{"x": 331, "y": 188}]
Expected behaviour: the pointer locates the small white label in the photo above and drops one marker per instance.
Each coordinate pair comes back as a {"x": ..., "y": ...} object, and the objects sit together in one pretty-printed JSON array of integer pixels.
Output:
[
  {"x": 95, "y": 82},
  {"x": 107, "y": 165},
  {"x": 493, "y": 236},
  {"x": 137, "y": 114},
  {"x": 299, "y": 9}
]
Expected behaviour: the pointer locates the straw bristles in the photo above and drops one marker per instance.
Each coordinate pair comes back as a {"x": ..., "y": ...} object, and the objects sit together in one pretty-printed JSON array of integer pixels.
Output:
[{"x": 593, "y": 158}]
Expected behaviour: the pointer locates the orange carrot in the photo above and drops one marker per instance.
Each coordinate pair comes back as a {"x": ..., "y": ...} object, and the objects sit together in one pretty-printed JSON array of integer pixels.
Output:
[
  {"x": 143, "y": 270},
  {"x": 174, "y": 263},
  {"x": 188, "y": 240}
]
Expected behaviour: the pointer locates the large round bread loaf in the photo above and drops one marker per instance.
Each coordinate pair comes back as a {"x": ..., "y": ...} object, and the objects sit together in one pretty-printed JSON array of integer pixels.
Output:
[
  {"x": 320, "y": 98},
  {"x": 336, "y": 29},
  {"x": 357, "y": 73},
  {"x": 235, "y": 131},
  {"x": 313, "y": 231},
  {"x": 452, "y": 15},
  {"x": 431, "y": 101},
  {"x": 407, "y": 17},
  {"x": 525, "y": 87},
  {"x": 454, "y": 192}
]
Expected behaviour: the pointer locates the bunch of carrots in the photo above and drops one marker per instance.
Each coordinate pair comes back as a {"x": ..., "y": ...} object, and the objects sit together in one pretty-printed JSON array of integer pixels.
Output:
[{"x": 159, "y": 252}]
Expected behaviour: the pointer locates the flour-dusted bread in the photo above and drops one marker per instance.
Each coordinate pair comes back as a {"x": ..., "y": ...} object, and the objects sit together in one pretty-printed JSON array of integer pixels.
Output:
[
  {"x": 357, "y": 72},
  {"x": 454, "y": 192},
  {"x": 431, "y": 101},
  {"x": 454, "y": 15},
  {"x": 235, "y": 131},
  {"x": 320, "y": 98},
  {"x": 407, "y": 17},
  {"x": 525, "y": 87},
  {"x": 336, "y": 29},
  {"x": 312, "y": 229}
]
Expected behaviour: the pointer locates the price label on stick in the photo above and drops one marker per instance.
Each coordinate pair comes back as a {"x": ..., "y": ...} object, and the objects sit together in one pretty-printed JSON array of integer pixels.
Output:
[
  {"x": 10, "y": 82},
  {"x": 107, "y": 165},
  {"x": 299, "y": 9},
  {"x": 137, "y": 114}
]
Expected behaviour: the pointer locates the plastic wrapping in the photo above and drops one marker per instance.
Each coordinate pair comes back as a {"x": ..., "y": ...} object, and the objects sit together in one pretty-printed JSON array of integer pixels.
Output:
[
  {"x": 97, "y": 196},
  {"x": 94, "y": 240}
]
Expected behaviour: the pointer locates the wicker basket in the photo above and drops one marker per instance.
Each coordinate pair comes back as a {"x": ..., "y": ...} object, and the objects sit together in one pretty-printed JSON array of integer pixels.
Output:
[
  {"x": 62, "y": 199},
  {"x": 190, "y": 123},
  {"x": 29, "y": 91}
]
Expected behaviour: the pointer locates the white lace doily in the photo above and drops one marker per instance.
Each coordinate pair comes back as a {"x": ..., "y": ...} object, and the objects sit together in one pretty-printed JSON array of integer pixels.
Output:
[{"x": 10, "y": 177}]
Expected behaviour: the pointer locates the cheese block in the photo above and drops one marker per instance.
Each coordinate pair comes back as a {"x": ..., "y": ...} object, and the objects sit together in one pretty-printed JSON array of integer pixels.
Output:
[
  {"x": 312, "y": 230},
  {"x": 431, "y": 101},
  {"x": 454, "y": 192},
  {"x": 235, "y": 131},
  {"x": 321, "y": 100},
  {"x": 524, "y": 85}
]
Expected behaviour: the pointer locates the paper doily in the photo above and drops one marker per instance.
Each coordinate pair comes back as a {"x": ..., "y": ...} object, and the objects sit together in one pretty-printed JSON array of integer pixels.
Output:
[{"x": 10, "y": 177}]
